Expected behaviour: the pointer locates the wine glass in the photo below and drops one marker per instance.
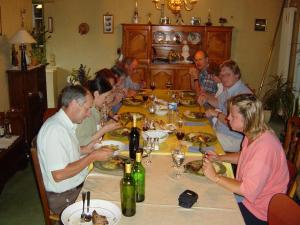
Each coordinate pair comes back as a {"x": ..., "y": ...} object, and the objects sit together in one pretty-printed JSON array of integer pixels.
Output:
[
  {"x": 145, "y": 99},
  {"x": 148, "y": 149},
  {"x": 169, "y": 85},
  {"x": 152, "y": 86},
  {"x": 178, "y": 159}
]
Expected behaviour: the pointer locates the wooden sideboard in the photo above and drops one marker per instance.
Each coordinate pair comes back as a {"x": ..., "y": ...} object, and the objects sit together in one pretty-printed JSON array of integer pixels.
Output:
[
  {"x": 27, "y": 92},
  {"x": 151, "y": 45}
]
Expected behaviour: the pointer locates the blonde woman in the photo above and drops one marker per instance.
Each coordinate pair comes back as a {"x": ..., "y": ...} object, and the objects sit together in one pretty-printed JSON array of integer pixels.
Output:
[{"x": 262, "y": 168}]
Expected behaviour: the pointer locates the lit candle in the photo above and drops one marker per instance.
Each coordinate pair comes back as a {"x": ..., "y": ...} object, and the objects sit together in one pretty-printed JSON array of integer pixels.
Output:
[{"x": 136, "y": 5}]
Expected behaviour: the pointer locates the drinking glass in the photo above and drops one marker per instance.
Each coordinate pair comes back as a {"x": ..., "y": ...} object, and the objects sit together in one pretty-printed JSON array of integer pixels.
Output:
[
  {"x": 152, "y": 86},
  {"x": 169, "y": 85},
  {"x": 145, "y": 99},
  {"x": 178, "y": 158},
  {"x": 148, "y": 149}
]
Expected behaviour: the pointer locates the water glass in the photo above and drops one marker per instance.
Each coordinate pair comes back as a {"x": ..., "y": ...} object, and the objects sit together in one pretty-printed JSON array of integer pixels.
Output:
[{"x": 178, "y": 159}]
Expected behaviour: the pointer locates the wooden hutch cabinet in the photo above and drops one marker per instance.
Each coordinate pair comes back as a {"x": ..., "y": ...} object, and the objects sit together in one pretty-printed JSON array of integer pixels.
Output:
[
  {"x": 152, "y": 45},
  {"x": 27, "y": 92}
]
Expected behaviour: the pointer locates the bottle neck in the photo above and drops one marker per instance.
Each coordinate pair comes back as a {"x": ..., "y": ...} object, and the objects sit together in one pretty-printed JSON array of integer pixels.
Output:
[{"x": 138, "y": 157}]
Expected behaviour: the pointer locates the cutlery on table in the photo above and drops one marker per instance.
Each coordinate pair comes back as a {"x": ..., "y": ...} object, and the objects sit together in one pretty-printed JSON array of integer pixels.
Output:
[
  {"x": 82, "y": 217},
  {"x": 88, "y": 216}
]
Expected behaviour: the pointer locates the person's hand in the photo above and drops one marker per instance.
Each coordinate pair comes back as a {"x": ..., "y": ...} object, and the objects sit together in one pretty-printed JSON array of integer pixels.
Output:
[
  {"x": 102, "y": 154},
  {"x": 211, "y": 113},
  {"x": 194, "y": 73},
  {"x": 110, "y": 126},
  {"x": 212, "y": 156},
  {"x": 202, "y": 98},
  {"x": 209, "y": 170}
]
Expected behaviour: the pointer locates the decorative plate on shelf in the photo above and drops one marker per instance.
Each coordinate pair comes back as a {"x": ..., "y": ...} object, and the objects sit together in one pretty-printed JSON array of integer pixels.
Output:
[
  {"x": 159, "y": 37},
  {"x": 194, "y": 38},
  {"x": 195, "y": 167},
  {"x": 177, "y": 37}
]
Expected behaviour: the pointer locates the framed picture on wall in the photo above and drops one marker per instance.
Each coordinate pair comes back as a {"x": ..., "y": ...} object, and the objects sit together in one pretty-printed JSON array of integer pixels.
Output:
[
  {"x": 0, "y": 23},
  {"x": 108, "y": 23},
  {"x": 260, "y": 25}
]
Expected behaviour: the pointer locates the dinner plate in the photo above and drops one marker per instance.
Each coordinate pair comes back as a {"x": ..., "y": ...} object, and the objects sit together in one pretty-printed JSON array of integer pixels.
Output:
[
  {"x": 188, "y": 101},
  {"x": 122, "y": 132},
  {"x": 132, "y": 101},
  {"x": 114, "y": 145},
  {"x": 194, "y": 38},
  {"x": 194, "y": 116},
  {"x": 177, "y": 37},
  {"x": 159, "y": 37},
  {"x": 116, "y": 163},
  {"x": 127, "y": 117},
  {"x": 71, "y": 214},
  {"x": 188, "y": 94},
  {"x": 195, "y": 167},
  {"x": 200, "y": 138}
]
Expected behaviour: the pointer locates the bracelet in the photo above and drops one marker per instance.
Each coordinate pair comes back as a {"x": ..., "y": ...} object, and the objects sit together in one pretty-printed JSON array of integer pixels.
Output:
[{"x": 196, "y": 79}]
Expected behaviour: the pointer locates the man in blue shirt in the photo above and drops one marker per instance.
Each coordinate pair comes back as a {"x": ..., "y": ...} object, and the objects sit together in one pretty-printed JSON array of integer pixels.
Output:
[{"x": 201, "y": 80}]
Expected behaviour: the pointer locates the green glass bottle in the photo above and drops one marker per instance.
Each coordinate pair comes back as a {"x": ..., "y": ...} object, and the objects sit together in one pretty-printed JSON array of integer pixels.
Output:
[
  {"x": 138, "y": 175},
  {"x": 128, "y": 202}
]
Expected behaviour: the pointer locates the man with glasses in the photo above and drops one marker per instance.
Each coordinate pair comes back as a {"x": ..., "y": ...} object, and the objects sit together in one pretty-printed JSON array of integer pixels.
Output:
[{"x": 201, "y": 80}]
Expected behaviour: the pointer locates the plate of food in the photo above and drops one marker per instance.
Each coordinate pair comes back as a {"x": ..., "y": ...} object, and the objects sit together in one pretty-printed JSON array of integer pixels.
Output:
[
  {"x": 114, "y": 145},
  {"x": 116, "y": 163},
  {"x": 126, "y": 117},
  {"x": 103, "y": 212},
  {"x": 188, "y": 94},
  {"x": 187, "y": 101},
  {"x": 200, "y": 138},
  {"x": 195, "y": 167},
  {"x": 194, "y": 116},
  {"x": 162, "y": 125},
  {"x": 133, "y": 101}
]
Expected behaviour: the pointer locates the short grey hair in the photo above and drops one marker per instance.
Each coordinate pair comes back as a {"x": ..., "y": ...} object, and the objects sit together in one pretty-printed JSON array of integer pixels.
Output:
[{"x": 73, "y": 92}]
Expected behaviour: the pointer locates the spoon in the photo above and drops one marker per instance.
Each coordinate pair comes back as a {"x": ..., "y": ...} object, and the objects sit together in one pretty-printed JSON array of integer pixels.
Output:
[
  {"x": 88, "y": 217},
  {"x": 82, "y": 217}
]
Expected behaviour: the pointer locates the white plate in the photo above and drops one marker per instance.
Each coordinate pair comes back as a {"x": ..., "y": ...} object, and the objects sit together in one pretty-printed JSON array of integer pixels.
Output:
[
  {"x": 120, "y": 145},
  {"x": 194, "y": 38},
  {"x": 71, "y": 214},
  {"x": 161, "y": 134}
]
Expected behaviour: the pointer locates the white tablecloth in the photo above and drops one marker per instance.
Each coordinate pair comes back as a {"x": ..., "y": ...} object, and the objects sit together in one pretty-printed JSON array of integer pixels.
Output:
[{"x": 215, "y": 204}]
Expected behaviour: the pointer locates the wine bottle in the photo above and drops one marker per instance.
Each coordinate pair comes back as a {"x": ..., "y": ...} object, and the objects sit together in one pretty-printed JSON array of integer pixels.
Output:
[
  {"x": 128, "y": 202},
  {"x": 134, "y": 139},
  {"x": 138, "y": 175}
]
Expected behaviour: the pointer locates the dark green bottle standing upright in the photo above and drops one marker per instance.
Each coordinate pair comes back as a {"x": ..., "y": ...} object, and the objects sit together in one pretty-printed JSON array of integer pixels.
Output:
[
  {"x": 138, "y": 175},
  {"x": 134, "y": 139},
  {"x": 128, "y": 202}
]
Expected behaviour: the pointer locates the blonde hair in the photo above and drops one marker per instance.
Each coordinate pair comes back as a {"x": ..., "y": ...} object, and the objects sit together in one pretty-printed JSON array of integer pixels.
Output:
[{"x": 252, "y": 111}]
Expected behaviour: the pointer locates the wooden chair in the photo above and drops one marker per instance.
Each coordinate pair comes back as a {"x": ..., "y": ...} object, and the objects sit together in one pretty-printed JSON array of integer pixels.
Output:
[
  {"x": 292, "y": 150},
  {"x": 283, "y": 211},
  {"x": 49, "y": 217}
]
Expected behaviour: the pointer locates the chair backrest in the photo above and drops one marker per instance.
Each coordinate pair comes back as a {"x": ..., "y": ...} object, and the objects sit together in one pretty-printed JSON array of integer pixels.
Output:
[
  {"x": 48, "y": 113},
  {"x": 48, "y": 216},
  {"x": 292, "y": 141},
  {"x": 283, "y": 211}
]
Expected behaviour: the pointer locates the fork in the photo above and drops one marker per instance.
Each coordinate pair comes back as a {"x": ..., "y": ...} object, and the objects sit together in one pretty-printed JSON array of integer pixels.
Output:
[{"x": 82, "y": 217}]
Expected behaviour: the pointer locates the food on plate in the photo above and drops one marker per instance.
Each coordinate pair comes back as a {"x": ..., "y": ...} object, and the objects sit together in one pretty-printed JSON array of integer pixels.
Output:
[
  {"x": 195, "y": 167},
  {"x": 187, "y": 101},
  {"x": 194, "y": 115},
  {"x": 113, "y": 147},
  {"x": 121, "y": 132},
  {"x": 98, "y": 219},
  {"x": 117, "y": 162},
  {"x": 127, "y": 117},
  {"x": 200, "y": 138},
  {"x": 133, "y": 101}
]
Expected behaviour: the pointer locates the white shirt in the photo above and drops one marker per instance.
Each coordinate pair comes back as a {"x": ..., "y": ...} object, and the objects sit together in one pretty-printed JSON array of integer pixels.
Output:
[{"x": 57, "y": 147}]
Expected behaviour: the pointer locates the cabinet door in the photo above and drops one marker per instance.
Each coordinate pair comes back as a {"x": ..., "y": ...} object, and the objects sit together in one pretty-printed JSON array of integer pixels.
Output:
[
  {"x": 161, "y": 77},
  {"x": 182, "y": 80},
  {"x": 218, "y": 45},
  {"x": 137, "y": 42}
]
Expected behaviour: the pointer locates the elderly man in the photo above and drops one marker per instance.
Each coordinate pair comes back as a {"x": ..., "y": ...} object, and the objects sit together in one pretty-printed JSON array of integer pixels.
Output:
[
  {"x": 63, "y": 167},
  {"x": 130, "y": 66},
  {"x": 230, "y": 76},
  {"x": 201, "y": 80}
]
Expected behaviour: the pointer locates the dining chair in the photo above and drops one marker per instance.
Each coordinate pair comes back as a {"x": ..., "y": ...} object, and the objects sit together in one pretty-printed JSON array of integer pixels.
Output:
[
  {"x": 283, "y": 210},
  {"x": 48, "y": 113},
  {"x": 292, "y": 150},
  {"x": 50, "y": 218}
]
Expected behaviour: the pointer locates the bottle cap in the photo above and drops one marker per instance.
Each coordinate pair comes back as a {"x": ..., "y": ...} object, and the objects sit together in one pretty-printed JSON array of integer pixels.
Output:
[{"x": 127, "y": 167}]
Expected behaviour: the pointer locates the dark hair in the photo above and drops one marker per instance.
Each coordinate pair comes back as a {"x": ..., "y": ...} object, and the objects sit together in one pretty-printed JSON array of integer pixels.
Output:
[
  {"x": 73, "y": 92},
  {"x": 118, "y": 71},
  {"x": 106, "y": 74},
  {"x": 233, "y": 66},
  {"x": 99, "y": 83}
]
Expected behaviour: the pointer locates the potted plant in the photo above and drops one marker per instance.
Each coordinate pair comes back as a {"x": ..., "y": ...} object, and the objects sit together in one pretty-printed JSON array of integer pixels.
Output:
[
  {"x": 280, "y": 97},
  {"x": 38, "y": 49}
]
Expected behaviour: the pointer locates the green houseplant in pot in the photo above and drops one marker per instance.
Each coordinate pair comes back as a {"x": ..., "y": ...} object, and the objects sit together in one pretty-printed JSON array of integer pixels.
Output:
[{"x": 280, "y": 97}]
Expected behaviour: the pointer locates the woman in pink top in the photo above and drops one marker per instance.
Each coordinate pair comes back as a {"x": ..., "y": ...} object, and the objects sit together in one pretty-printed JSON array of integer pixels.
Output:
[{"x": 262, "y": 168}]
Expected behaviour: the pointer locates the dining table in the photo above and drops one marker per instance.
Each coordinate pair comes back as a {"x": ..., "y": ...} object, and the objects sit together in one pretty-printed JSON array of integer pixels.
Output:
[{"x": 215, "y": 204}]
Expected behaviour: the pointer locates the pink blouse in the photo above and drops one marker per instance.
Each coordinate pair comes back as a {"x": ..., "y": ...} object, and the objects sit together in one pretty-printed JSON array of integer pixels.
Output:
[{"x": 263, "y": 171}]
